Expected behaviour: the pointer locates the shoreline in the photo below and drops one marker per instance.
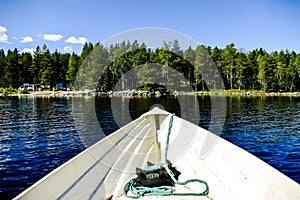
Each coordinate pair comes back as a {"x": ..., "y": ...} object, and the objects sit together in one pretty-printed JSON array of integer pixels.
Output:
[{"x": 134, "y": 93}]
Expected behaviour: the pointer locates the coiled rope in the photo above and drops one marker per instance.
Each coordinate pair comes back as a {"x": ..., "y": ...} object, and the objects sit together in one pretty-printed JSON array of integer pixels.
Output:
[{"x": 138, "y": 191}]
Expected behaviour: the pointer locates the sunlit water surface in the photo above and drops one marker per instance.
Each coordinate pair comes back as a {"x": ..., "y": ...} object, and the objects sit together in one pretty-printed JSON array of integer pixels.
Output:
[{"x": 39, "y": 134}]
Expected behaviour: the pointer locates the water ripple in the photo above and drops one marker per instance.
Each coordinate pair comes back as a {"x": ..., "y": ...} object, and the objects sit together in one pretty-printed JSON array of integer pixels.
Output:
[{"x": 38, "y": 134}]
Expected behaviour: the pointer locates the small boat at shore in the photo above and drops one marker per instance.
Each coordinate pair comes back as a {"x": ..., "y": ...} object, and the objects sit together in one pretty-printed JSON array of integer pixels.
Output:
[{"x": 102, "y": 170}]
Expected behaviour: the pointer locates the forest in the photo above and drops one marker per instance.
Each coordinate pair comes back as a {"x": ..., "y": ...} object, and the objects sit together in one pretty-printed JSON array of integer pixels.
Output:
[{"x": 277, "y": 71}]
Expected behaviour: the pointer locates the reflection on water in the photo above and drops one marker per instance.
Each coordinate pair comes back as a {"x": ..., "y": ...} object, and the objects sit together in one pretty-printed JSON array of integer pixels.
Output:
[{"x": 39, "y": 134}]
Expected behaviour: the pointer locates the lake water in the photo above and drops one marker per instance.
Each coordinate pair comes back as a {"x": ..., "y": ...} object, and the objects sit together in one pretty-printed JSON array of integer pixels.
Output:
[{"x": 38, "y": 134}]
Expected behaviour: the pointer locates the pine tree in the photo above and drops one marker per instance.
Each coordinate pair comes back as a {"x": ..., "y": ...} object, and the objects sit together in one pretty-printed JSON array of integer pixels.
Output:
[
  {"x": 74, "y": 64},
  {"x": 48, "y": 72},
  {"x": 25, "y": 61},
  {"x": 2, "y": 67},
  {"x": 87, "y": 48},
  {"x": 35, "y": 68},
  {"x": 11, "y": 70},
  {"x": 291, "y": 73},
  {"x": 175, "y": 47},
  {"x": 189, "y": 72},
  {"x": 229, "y": 55},
  {"x": 266, "y": 74},
  {"x": 93, "y": 66},
  {"x": 297, "y": 70},
  {"x": 251, "y": 71},
  {"x": 241, "y": 62}
]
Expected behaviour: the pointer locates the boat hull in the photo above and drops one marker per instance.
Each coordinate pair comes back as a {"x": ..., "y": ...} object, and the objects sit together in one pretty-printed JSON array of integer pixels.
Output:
[{"x": 101, "y": 171}]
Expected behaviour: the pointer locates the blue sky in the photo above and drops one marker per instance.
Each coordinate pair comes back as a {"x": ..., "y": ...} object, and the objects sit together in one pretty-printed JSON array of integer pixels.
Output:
[{"x": 66, "y": 24}]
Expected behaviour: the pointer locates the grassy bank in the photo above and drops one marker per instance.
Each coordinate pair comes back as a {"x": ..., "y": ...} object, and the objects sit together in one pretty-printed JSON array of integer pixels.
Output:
[{"x": 8, "y": 90}]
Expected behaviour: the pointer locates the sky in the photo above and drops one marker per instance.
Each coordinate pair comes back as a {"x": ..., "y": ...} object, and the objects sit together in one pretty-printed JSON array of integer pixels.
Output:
[{"x": 66, "y": 25}]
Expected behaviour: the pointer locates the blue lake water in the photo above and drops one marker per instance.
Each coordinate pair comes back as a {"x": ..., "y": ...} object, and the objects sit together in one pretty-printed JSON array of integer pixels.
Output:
[{"x": 38, "y": 134}]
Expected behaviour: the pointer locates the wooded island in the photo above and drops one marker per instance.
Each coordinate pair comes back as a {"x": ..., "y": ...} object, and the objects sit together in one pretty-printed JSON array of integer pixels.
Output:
[{"x": 239, "y": 69}]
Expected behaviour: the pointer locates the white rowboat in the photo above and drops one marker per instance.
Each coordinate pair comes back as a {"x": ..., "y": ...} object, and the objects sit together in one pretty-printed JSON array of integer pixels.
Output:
[{"x": 102, "y": 170}]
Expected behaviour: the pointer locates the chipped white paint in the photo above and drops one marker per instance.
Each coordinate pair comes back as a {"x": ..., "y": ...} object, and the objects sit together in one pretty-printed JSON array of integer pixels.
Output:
[{"x": 101, "y": 171}]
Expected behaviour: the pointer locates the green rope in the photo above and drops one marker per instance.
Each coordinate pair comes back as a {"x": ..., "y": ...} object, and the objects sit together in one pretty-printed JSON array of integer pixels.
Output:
[
  {"x": 168, "y": 136},
  {"x": 139, "y": 191}
]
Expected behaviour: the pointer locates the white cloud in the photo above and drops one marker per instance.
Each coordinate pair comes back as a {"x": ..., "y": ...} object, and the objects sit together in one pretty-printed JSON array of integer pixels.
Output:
[
  {"x": 68, "y": 48},
  {"x": 26, "y": 39},
  {"x": 28, "y": 50},
  {"x": 52, "y": 37},
  {"x": 3, "y": 36},
  {"x": 74, "y": 40}
]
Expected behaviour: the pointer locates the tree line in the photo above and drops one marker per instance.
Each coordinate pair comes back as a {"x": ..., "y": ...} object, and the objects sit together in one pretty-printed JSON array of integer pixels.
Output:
[{"x": 278, "y": 71}]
